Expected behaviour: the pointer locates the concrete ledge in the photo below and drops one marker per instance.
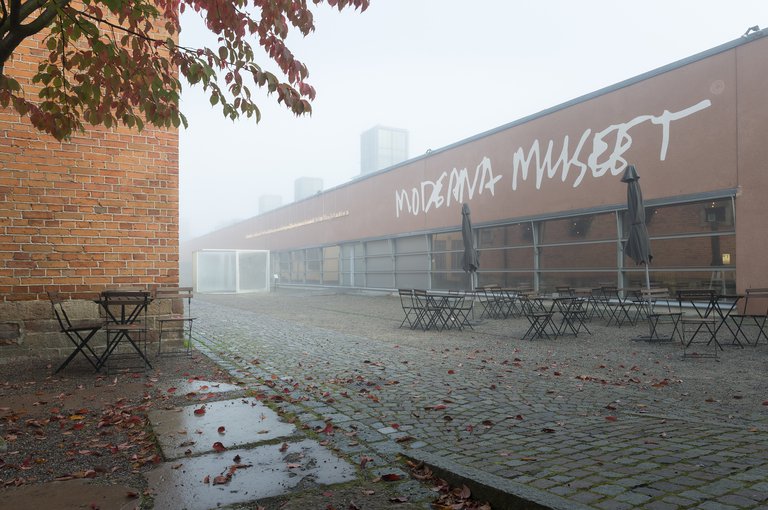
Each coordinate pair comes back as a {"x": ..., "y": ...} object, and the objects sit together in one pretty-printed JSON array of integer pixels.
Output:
[{"x": 501, "y": 493}]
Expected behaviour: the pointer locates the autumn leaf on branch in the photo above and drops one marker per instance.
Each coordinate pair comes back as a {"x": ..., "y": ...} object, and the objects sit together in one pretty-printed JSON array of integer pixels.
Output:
[{"x": 118, "y": 62}]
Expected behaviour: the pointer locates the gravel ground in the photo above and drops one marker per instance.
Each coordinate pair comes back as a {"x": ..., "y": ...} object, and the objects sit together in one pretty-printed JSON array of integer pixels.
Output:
[{"x": 78, "y": 425}]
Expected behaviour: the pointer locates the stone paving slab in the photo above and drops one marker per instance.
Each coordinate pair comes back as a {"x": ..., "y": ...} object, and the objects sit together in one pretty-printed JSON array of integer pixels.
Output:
[
  {"x": 593, "y": 420},
  {"x": 255, "y": 473},
  {"x": 191, "y": 430}
]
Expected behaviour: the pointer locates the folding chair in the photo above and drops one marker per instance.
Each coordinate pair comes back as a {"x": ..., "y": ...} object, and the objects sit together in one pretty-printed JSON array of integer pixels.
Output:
[
  {"x": 703, "y": 322},
  {"x": 539, "y": 319},
  {"x": 574, "y": 314},
  {"x": 460, "y": 309},
  {"x": 413, "y": 312},
  {"x": 755, "y": 314},
  {"x": 431, "y": 313},
  {"x": 178, "y": 321},
  {"x": 597, "y": 304},
  {"x": 509, "y": 301},
  {"x": 491, "y": 305},
  {"x": 619, "y": 307},
  {"x": 650, "y": 300},
  {"x": 79, "y": 332}
]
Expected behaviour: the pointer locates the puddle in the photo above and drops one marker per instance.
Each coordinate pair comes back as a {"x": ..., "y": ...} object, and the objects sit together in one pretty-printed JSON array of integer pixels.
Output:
[
  {"x": 255, "y": 473},
  {"x": 186, "y": 386},
  {"x": 183, "y": 432}
]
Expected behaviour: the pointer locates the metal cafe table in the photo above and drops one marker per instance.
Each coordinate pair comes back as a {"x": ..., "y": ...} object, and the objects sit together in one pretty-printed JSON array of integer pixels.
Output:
[{"x": 125, "y": 311}]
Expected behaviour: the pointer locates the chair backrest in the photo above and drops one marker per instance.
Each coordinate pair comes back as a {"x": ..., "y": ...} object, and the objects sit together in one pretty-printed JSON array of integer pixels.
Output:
[
  {"x": 654, "y": 295},
  {"x": 420, "y": 297},
  {"x": 756, "y": 301},
  {"x": 58, "y": 310},
  {"x": 173, "y": 293},
  {"x": 696, "y": 295},
  {"x": 406, "y": 297}
]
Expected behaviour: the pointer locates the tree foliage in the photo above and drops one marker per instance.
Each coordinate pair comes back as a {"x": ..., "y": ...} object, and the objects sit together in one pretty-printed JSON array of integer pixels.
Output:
[{"x": 111, "y": 62}]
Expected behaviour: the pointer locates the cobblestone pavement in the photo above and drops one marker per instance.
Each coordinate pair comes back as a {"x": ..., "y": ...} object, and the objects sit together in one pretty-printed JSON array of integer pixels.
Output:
[{"x": 596, "y": 421}]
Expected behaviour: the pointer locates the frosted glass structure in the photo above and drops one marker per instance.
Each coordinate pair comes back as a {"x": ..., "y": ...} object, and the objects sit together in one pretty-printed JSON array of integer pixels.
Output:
[{"x": 231, "y": 271}]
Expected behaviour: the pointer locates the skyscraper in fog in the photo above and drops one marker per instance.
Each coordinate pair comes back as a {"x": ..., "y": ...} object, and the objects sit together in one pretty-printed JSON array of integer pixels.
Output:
[
  {"x": 269, "y": 202},
  {"x": 304, "y": 187},
  {"x": 381, "y": 147}
]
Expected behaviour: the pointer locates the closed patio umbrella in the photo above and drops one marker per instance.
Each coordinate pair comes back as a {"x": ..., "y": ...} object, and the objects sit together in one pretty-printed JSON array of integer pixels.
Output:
[
  {"x": 638, "y": 245},
  {"x": 470, "y": 262}
]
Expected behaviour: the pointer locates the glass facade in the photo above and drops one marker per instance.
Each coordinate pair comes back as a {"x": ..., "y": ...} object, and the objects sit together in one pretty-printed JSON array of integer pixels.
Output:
[
  {"x": 693, "y": 246},
  {"x": 232, "y": 270}
]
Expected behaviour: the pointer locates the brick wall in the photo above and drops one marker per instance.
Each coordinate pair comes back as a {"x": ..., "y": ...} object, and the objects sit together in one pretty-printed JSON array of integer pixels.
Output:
[{"x": 98, "y": 211}]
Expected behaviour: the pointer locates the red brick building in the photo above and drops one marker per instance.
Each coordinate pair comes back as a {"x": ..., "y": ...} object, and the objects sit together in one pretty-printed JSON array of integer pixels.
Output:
[{"x": 79, "y": 216}]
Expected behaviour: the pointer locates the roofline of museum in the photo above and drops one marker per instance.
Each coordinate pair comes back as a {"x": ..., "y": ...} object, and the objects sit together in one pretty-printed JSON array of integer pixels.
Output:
[{"x": 745, "y": 39}]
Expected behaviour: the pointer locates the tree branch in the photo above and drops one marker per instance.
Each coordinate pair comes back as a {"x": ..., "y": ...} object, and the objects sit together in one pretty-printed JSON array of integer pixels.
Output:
[
  {"x": 13, "y": 20},
  {"x": 12, "y": 32},
  {"x": 4, "y": 14},
  {"x": 119, "y": 27}
]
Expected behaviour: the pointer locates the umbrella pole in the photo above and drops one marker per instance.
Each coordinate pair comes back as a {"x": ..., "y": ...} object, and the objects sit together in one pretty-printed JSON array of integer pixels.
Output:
[
  {"x": 647, "y": 277},
  {"x": 648, "y": 286}
]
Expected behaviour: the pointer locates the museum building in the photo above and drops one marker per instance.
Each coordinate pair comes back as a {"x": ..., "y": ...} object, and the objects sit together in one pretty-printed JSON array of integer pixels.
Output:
[{"x": 546, "y": 197}]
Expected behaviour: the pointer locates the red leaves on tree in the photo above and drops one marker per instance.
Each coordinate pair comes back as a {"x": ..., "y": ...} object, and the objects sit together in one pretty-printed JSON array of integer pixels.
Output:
[{"x": 118, "y": 63}]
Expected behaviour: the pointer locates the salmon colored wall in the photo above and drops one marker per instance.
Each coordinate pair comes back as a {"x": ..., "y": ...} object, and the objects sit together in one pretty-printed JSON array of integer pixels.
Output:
[{"x": 752, "y": 165}]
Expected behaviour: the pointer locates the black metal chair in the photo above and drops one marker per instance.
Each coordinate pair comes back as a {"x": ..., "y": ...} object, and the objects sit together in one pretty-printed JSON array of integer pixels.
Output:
[
  {"x": 539, "y": 319},
  {"x": 431, "y": 312},
  {"x": 176, "y": 322},
  {"x": 492, "y": 306},
  {"x": 704, "y": 321},
  {"x": 619, "y": 306},
  {"x": 755, "y": 315},
  {"x": 79, "y": 332},
  {"x": 460, "y": 309},
  {"x": 573, "y": 311},
  {"x": 658, "y": 311},
  {"x": 411, "y": 309}
]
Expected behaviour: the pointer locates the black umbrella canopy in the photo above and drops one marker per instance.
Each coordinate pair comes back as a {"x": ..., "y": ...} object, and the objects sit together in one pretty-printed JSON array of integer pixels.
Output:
[
  {"x": 470, "y": 262},
  {"x": 638, "y": 244}
]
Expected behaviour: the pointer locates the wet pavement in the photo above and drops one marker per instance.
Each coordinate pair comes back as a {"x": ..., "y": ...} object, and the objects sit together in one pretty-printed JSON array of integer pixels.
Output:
[
  {"x": 192, "y": 430},
  {"x": 596, "y": 421},
  {"x": 248, "y": 474}
]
